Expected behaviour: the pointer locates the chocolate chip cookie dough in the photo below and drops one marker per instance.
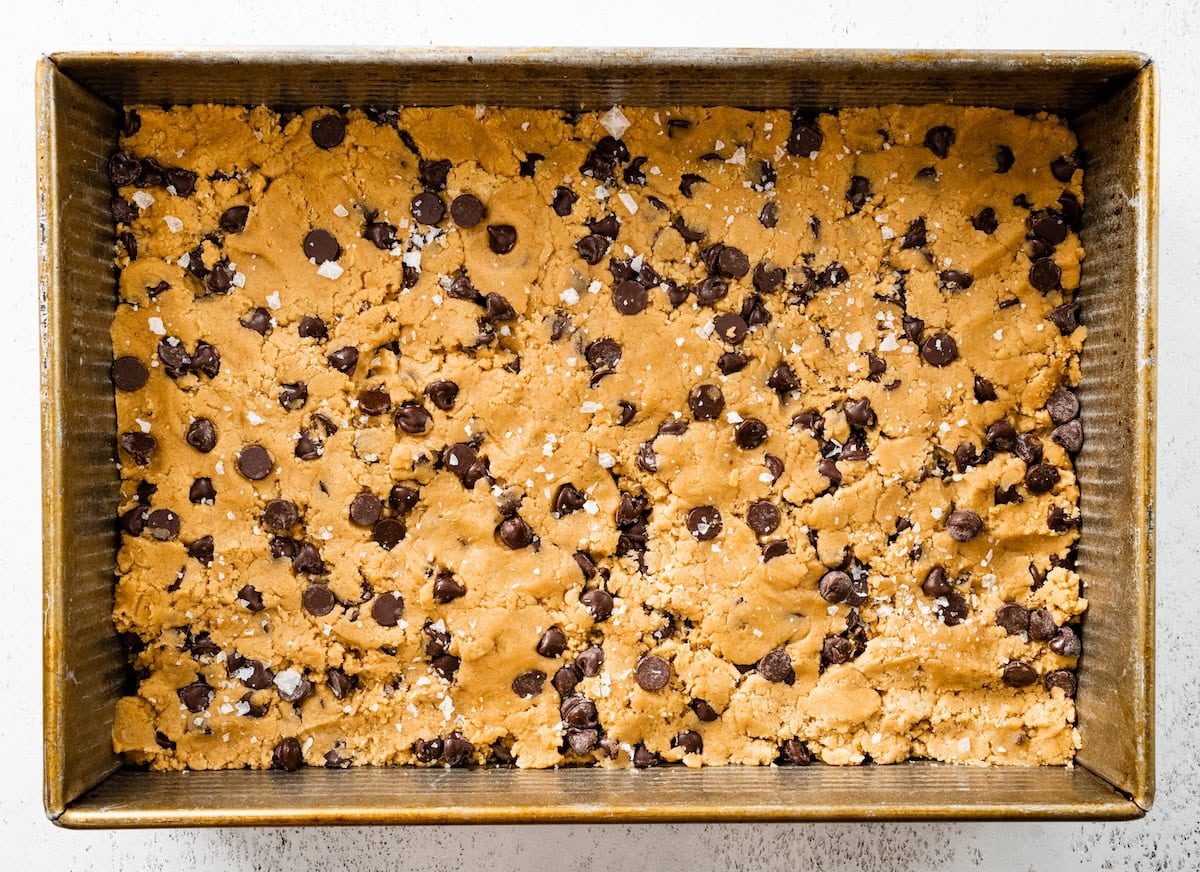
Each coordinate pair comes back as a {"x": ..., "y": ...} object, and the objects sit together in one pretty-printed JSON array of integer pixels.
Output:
[{"x": 471, "y": 436}]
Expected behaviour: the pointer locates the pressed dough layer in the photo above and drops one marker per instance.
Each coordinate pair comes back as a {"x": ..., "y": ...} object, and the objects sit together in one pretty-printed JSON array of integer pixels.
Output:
[{"x": 251, "y": 651}]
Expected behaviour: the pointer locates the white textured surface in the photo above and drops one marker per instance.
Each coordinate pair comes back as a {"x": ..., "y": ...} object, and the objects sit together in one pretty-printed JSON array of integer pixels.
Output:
[{"x": 1168, "y": 839}]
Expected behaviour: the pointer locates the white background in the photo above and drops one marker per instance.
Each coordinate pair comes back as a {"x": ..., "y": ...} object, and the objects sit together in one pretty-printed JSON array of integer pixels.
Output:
[{"x": 1168, "y": 839}]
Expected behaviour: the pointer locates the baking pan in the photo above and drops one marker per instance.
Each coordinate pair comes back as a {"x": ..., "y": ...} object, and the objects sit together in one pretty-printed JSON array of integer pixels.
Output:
[{"x": 1110, "y": 100}]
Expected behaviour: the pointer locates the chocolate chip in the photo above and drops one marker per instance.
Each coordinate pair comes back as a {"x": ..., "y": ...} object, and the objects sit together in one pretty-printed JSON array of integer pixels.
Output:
[
  {"x": 183, "y": 181},
  {"x": 984, "y": 392},
  {"x": 915, "y": 236},
  {"x": 1004, "y": 159},
  {"x": 328, "y": 131},
  {"x": 939, "y": 139},
  {"x": 629, "y": 298},
  {"x": 563, "y": 201},
  {"x": 233, "y": 219},
  {"x": 859, "y": 412},
  {"x": 1014, "y": 618},
  {"x": 307, "y": 559},
  {"x": 124, "y": 169},
  {"x": 963, "y": 525},
  {"x": 206, "y": 360},
  {"x": 129, "y": 373},
  {"x": 202, "y": 491},
  {"x": 320, "y": 246},
  {"x": 388, "y": 533},
  {"x": 598, "y": 602},
  {"x": 1063, "y": 168},
  {"x": 1001, "y": 436},
  {"x": 835, "y": 586},
  {"x": 344, "y": 360},
  {"x": 129, "y": 241},
  {"x": 568, "y": 499},
  {"x": 1041, "y": 478},
  {"x": 590, "y": 660},
  {"x": 163, "y": 525},
  {"x": 293, "y": 396},
  {"x": 1018, "y": 673},
  {"x": 412, "y": 418},
  {"x": 254, "y": 462},
  {"x": 502, "y": 238},
  {"x": 123, "y": 211},
  {"x": 985, "y": 220},
  {"x": 140, "y": 446},
  {"x": 428, "y": 208},
  {"x": 731, "y": 362},
  {"x": 750, "y": 433},
  {"x": 913, "y": 328},
  {"x": 1065, "y": 318},
  {"x": 937, "y": 583},
  {"x": 1041, "y": 626},
  {"x": 258, "y": 320},
  {"x": 782, "y": 379},
  {"x": 955, "y": 280},
  {"x": 566, "y": 679},
  {"x": 515, "y": 533},
  {"x": 768, "y": 216},
  {"x": 365, "y": 510},
  {"x": 1064, "y": 680},
  {"x": 196, "y": 696},
  {"x": 953, "y": 612},
  {"x": 1045, "y": 275},
  {"x": 776, "y": 667},
  {"x": 447, "y": 588},
  {"x": 388, "y": 609},
  {"x": 1066, "y": 644},
  {"x": 202, "y": 435},
  {"x": 805, "y": 139},
  {"x": 577, "y": 711},
  {"x": 704, "y": 522},
  {"x": 1069, "y": 436},
  {"x": 280, "y": 515},
  {"x": 174, "y": 357},
  {"x": 1059, "y": 521},
  {"x": 553, "y": 643},
  {"x": 287, "y": 754},
  {"x": 1062, "y": 405},
  {"x": 833, "y": 275},
  {"x": 939, "y": 349},
  {"x": 828, "y": 468},
  {"x": 763, "y": 517},
  {"x": 732, "y": 262},
  {"x": 859, "y": 192},
  {"x": 1029, "y": 448},
  {"x": 706, "y": 402},
  {"x": 318, "y": 600},
  {"x": 653, "y": 673},
  {"x": 688, "y": 181},
  {"x": 529, "y": 684}
]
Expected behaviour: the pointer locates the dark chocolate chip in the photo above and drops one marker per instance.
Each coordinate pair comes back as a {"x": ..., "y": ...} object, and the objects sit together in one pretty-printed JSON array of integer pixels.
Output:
[
  {"x": 515, "y": 533},
  {"x": 689, "y": 741},
  {"x": 1029, "y": 448},
  {"x": 937, "y": 583},
  {"x": 859, "y": 192},
  {"x": 428, "y": 208},
  {"x": 859, "y": 412},
  {"x": 955, "y": 280},
  {"x": 529, "y": 684},
  {"x": 953, "y": 612},
  {"x": 963, "y": 525},
  {"x": 1041, "y": 478},
  {"x": 805, "y": 139},
  {"x": 447, "y": 588},
  {"x": 984, "y": 392},
  {"x": 628, "y": 410},
  {"x": 750, "y": 433},
  {"x": 206, "y": 360},
  {"x": 1018, "y": 673},
  {"x": 731, "y": 362},
  {"x": 388, "y": 609},
  {"x": 985, "y": 220},
  {"x": 710, "y": 290},
  {"x": 915, "y": 236},
  {"x": 183, "y": 182},
  {"x": 653, "y": 673},
  {"x": 123, "y": 211},
  {"x": 196, "y": 696},
  {"x": 783, "y": 379},
  {"x": 388, "y": 532},
  {"x": 1045, "y": 275},
  {"x": 1063, "y": 168},
  {"x": 1004, "y": 159},
  {"x": 563, "y": 201},
  {"x": 307, "y": 559},
  {"x": 552, "y": 643},
  {"x": 1062, "y": 405},
  {"x": 163, "y": 524},
  {"x": 140, "y": 446},
  {"x": 732, "y": 263},
  {"x": 412, "y": 418},
  {"x": 233, "y": 219},
  {"x": 202, "y": 435},
  {"x": 704, "y": 522},
  {"x": 280, "y": 515},
  {"x": 776, "y": 667},
  {"x": 380, "y": 234},
  {"x": 129, "y": 373},
  {"x": 939, "y": 139},
  {"x": 828, "y": 468},
  {"x": 1066, "y": 644},
  {"x": 1014, "y": 618},
  {"x": 590, "y": 660},
  {"x": 124, "y": 169},
  {"x": 328, "y": 131},
  {"x": 1041, "y": 626},
  {"x": 577, "y": 711},
  {"x": 318, "y": 600},
  {"x": 258, "y": 320},
  {"x": 1065, "y": 318},
  {"x": 598, "y": 602},
  {"x": 320, "y": 246},
  {"x": 255, "y": 462},
  {"x": 365, "y": 510},
  {"x": 1064, "y": 680},
  {"x": 768, "y": 216},
  {"x": 293, "y": 396},
  {"x": 202, "y": 491},
  {"x": 287, "y": 754},
  {"x": 939, "y": 349},
  {"x": 688, "y": 181},
  {"x": 567, "y": 500},
  {"x": 344, "y": 360},
  {"x": 763, "y": 517},
  {"x": 1001, "y": 436},
  {"x": 706, "y": 402},
  {"x": 566, "y": 679},
  {"x": 502, "y": 238},
  {"x": 629, "y": 298},
  {"x": 835, "y": 586},
  {"x": 1069, "y": 436},
  {"x": 774, "y": 548}
]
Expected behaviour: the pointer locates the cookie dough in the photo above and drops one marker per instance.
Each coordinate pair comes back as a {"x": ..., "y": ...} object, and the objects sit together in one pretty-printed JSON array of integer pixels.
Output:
[{"x": 467, "y": 436}]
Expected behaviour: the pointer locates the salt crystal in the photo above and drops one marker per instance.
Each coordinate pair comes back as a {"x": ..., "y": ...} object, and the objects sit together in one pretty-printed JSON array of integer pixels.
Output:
[
  {"x": 615, "y": 122},
  {"x": 591, "y": 507},
  {"x": 156, "y": 326},
  {"x": 143, "y": 199},
  {"x": 628, "y": 202},
  {"x": 273, "y": 300},
  {"x": 590, "y": 407},
  {"x": 733, "y": 418},
  {"x": 341, "y": 211},
  {"x": 330, "y": 270},
  {"x": 889, "y": 343},
  {"x": 570, "y": 296},
  {"x": 607, "y": 460},
  {"x": 288, "y": 681},
  {"x": 254, "y": 418},
  {"x": 413, "y": 258},
  {"x": 853, "y": 340}
]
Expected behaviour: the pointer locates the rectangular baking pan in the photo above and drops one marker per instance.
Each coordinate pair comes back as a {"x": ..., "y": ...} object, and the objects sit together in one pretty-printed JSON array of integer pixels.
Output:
[{"x": 1110, "y": 100}]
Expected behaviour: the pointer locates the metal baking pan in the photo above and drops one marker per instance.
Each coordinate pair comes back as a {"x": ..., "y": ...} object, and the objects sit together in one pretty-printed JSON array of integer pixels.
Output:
[{"x": 1110, "y": 100}]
